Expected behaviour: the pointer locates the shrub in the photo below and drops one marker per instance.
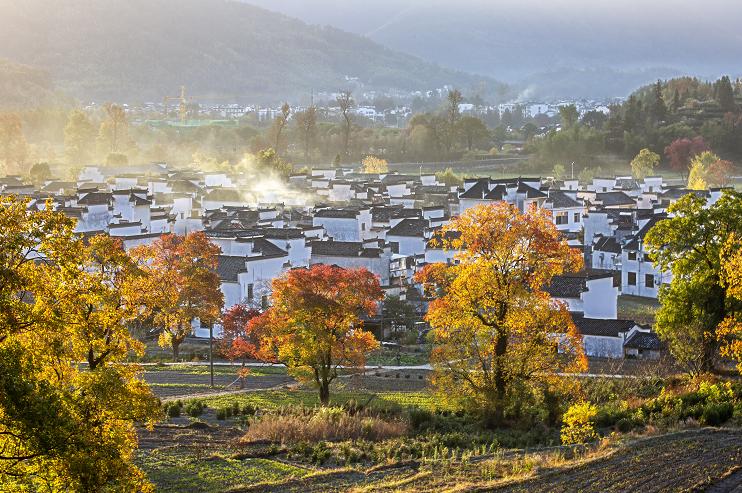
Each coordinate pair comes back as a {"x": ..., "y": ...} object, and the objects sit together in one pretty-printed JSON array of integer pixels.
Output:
[
  {"x": 420, "y": 418},
  {"x": 249, "y": 409},
  {"x": 194, "y": 409},
  {"x": 579, "y": 425},
  {"x": 624, "y": 425},
  {"x": 717, "y": 414},
  {"x": 173, "y": 411}
]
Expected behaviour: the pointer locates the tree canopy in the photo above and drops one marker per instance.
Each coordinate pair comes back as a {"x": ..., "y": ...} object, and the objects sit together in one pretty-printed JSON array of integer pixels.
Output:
[
  {"x": 63, "y": 426},
  {"x": 496, "y": 329},
  {"x": 314, "y": 324},
  {"x": 689, "y": 245}
]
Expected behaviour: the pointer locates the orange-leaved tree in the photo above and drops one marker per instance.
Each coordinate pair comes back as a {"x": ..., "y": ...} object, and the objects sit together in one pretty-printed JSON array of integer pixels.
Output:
[
  {"x": 499, "y": 338},
  {"x": 181, "y": 284},
  {"x": 314, "y": 323}
]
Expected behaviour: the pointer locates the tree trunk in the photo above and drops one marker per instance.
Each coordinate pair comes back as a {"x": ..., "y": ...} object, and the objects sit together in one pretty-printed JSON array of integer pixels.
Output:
[
  {"x": 501, "y": 345},
  {"x": 176, "y": 350},
  {"x": 324, "y": 392}
]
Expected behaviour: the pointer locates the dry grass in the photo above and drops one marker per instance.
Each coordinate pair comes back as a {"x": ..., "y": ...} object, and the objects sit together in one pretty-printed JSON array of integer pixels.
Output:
[{"x": 326, "y": 424}]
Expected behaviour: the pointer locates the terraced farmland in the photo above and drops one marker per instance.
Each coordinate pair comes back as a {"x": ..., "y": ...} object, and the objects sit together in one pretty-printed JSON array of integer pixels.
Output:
[{"x": 689, "y": 461}]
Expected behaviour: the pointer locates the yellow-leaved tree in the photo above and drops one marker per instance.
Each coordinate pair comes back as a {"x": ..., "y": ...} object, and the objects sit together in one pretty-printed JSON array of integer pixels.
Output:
[
  {"x": 373, "y": 164},
  {"x": 729, "y": 331},
  {"x": 500, "y": 339},
  {"x": 63, "y": 426}
]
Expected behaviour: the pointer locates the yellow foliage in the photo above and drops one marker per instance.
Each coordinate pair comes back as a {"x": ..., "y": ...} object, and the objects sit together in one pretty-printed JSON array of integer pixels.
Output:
[
  {"x": 63, "y": 301},
  {"x": 373, "y": 164},
  {"x": 729, "y": 332},
  {"x": 495, "y": 328},
  {"x": 578, "y": 424}
]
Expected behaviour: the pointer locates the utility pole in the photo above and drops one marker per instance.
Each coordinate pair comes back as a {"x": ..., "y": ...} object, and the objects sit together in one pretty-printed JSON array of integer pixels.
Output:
[
  {"x": 211, "y": 353},
  {"x": 573, "y": 170}
]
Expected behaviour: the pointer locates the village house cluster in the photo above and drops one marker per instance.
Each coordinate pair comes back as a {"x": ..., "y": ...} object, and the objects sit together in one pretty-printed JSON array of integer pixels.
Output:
[{"x": 382, "y": 222}]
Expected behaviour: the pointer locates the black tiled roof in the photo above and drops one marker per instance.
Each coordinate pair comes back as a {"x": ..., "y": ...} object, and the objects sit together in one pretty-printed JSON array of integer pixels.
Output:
[
  {"x": 614, "y": 199},
  {"x": 229, "y": 267},
  {"x": 561, "y": 200},
  {"x": 95, "y": 198},
  {"x": 601, "y": 327},
  {"x": 409, "y": 227},
  {"x": 571, "y": 285},
  {"x": 644, "y": 340},
  {"x": 337, "y": 213},
  {"x": 607, "y": 244},
  {"x": 530, "y": 192},
  {"x": 343, "y": 249}
]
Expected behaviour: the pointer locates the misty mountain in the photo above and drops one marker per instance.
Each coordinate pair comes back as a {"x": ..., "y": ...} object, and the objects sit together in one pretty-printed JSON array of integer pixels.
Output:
[
  {"x": 513, "y": 39},
  {"x": 22, "y": 86},
  {"x": 146, "y": 49}
]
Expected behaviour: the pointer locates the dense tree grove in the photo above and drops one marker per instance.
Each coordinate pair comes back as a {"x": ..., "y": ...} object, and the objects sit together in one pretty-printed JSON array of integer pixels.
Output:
[{"x": 675, "y": 119}]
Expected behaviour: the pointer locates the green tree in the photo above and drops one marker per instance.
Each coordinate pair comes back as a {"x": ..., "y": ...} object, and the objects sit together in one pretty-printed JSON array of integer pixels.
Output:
[
  {"x": 79, "y": 139},
  {"x": 724, "y": 94},
  {"x": 569, "y": 115},
  {"x": 449, "y": 178},
  {"x": 473, "y": 131},
  {"x": 113, "y": 132},
  {"x": 559, "y": 171},
  {"x": 453, "y": 115},
  {"x": 644, "y": 163},
  {"x": 39, "y": 173},
  {"x": 658, "y": 107},
  {"x": 279, "y": 124},
  {"x": 346, "y": 103},
  {"x": 306, "y": 124},
  {"x": 688, "y": 244}
]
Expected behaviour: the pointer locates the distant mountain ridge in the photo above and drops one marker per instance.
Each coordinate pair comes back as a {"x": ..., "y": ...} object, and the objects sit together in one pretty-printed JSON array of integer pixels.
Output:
[
  {"x": 146, "y": 49},
  {"x": 513, "y": 40}
]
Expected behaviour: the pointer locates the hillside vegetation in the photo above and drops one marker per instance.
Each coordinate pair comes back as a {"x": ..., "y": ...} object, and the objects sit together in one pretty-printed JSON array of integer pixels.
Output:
[
  {"x": 106, "y": 49},
  {"x": 22, "y": 86}
]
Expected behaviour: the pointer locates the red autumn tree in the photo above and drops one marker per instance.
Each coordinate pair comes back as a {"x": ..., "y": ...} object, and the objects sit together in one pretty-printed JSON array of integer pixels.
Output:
[
  {"x": 240, "y": 340},
  {"x": 314, "y": 324},
  {"x": 719, "y": 173},
  {"x": 181, "y": 284},
  {"x": 682, "y": 151}
]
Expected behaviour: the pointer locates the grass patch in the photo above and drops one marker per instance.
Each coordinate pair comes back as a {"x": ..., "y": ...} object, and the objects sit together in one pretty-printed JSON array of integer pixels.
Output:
[
  {"x": 636, "y": 308},
  {"x": 274, "y": 399},
  {"x": 173, "y": 472}
]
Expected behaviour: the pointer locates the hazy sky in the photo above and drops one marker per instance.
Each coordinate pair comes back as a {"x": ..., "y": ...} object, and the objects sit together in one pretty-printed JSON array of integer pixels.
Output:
[{"x": 516, "y": 37}]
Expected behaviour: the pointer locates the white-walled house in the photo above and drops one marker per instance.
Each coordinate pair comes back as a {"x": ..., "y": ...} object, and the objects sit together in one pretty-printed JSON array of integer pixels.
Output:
[
  {"x": 347, "y": 224},
  {"x": 606, "y": 253},
  {"x": 409, "y": 236},
  {"x": 353, "y": 255},
  {"x": 605, "y": 338},
  {"x": 591, "y": 293},
  {"x": 566, "y": 210},
  {"x": 639, "y": 277}
]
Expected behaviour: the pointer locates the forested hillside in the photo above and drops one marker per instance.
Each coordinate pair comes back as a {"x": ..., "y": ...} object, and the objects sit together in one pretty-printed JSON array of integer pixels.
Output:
[
  {"x": 145, "y": 49},
  {"x": 22, "y": 87}
]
